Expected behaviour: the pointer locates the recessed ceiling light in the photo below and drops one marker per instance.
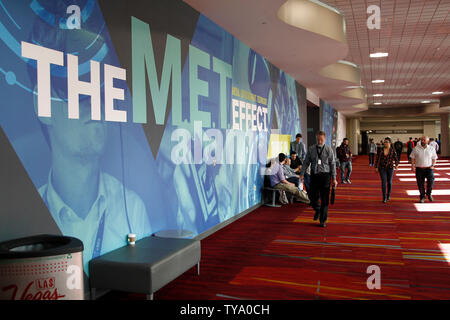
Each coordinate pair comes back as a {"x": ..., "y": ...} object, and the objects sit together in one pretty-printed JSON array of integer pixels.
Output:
[
  {"x": 354, "y": 87},
  {"x": 426, "y": 101},
  {"x": 378, "y": 95},
  {"x": 377, "y": 103},
  {"x": 379, "y": 54},
  {"x": 377, "y": 81},
  {"x": 437, "y": 92}
]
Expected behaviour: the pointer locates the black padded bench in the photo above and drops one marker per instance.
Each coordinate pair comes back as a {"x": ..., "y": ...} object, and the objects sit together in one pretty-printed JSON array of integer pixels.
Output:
[{"x": 145, "y": 267}]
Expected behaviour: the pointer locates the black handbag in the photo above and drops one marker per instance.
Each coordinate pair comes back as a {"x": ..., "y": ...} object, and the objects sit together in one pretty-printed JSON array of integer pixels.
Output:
[{"x": 333, "y": 195}]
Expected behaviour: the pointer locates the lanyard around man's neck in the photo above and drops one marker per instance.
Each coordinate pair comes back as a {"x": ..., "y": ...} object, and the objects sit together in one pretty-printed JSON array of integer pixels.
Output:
[
  {"x": 319, "y": 154},
  {"x": 99, "y": 239}
]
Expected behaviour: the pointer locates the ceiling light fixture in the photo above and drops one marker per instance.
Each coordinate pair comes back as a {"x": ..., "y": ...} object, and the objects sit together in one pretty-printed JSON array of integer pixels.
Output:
[
  {"x": 377, "y": 81},
  {"x": 437, "y": 92},
  {"x": 379, "y": 54},
  {"x": 377, "y": 103},
  {"x": 354, "y": 87},
  {"x": 426, "y": 101},
  {"x": 378, "y": 95}
]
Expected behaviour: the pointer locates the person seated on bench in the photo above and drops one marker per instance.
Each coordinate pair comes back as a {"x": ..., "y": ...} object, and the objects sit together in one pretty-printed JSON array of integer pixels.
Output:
[
  {"x": 296, "y": 164},
  {"x": 278, "y": 180},
  {"x": 290, "y": 174},
  {"x": 293, "y": 176}
]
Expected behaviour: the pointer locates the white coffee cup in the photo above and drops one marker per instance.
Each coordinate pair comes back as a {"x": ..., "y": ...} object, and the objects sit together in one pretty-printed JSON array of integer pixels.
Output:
[{"x": 131, "y": 238}]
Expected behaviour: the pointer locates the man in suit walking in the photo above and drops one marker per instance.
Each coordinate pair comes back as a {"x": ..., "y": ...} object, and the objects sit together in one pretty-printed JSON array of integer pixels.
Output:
[{"x": 323, "y": 174}]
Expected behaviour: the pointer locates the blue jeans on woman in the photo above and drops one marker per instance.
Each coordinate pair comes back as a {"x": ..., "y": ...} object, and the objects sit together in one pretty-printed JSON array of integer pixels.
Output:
[{"x": 386, "y": 175}]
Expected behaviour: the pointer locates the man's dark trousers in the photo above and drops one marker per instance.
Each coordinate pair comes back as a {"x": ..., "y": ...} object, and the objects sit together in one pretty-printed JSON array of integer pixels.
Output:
[
  {"x": 295, "y": 180},
  {"x": 421, "y": 175},
  {"x": 399, "y": 154},
  {"x": 320, "y": 189},
  {"x": 307, "y": 182}
]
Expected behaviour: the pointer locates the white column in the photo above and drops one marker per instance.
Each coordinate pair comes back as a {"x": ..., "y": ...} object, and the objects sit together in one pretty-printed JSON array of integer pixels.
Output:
[
  {"x": 445, "y": 135},
  {"x": 429, "y": 129},
  {"x": 354, "y": 134}
]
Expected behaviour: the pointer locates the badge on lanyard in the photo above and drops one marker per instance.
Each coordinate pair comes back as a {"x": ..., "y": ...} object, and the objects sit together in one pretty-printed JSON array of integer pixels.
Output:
[{"x": 319, "y": 155}]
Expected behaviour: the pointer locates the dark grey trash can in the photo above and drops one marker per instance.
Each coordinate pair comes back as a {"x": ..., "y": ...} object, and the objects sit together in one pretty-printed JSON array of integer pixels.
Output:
[{"x": 42, "y": 267}]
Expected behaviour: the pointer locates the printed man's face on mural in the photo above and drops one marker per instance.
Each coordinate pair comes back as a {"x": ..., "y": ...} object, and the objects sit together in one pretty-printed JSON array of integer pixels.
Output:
[{"x": 82, "y": 138}]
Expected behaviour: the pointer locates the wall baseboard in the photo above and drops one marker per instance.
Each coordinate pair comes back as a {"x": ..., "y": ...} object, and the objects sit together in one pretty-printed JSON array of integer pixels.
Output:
[{"x": 223, "y": 224}]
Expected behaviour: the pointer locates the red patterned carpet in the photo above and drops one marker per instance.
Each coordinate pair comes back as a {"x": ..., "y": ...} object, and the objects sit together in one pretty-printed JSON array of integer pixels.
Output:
[{"x": 281, "y": 253}]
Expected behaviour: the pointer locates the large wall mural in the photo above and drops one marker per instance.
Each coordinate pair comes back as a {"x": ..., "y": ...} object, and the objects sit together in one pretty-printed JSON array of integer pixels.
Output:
[{"x": 134, "y": 116}]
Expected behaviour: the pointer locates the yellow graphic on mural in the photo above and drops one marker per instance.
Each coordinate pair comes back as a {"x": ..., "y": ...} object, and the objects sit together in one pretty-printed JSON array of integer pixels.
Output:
[{"x": 278, "y": 143}]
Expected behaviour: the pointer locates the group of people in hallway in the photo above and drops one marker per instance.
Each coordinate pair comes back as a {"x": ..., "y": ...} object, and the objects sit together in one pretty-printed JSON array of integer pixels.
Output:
[
  {"x": 284, "y": 173},
  {"x": 374, "y": 148},
  {"x": 316, "y": 169},
  {"x": 422, "y": 155},
  {"x": 411, "y": 144}
]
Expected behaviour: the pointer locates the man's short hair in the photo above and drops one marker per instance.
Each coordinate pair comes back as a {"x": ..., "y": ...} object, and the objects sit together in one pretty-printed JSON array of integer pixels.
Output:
[
  {"x": 63, "y": 39},
  {"x": 345, "y": 139},
  {"x": 321, "y": 133},
  {"x": 299, "y": 135},
  {"x": 293, "y": 152},
  {"x": 281, "y": 157}
]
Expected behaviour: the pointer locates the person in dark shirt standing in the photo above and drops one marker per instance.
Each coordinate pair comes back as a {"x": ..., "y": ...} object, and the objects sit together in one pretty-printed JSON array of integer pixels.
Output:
[
  {"x": 323, "y": 174},
  {"x": 299, "y": 147},
  {"x": 398, "y": 146},
  {"x": 345, "y": 159},
  {"x": 409, "y": 148},
  {"x": 385, "y": 164}
]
